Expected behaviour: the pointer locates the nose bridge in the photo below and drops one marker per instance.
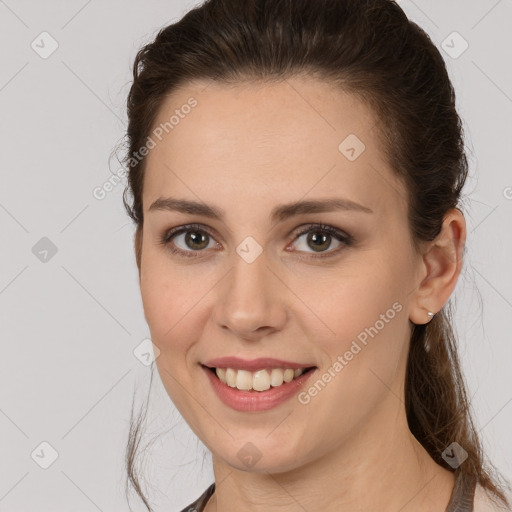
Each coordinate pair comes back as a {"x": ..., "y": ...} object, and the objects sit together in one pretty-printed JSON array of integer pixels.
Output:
[{"x": 249, "y": 302}]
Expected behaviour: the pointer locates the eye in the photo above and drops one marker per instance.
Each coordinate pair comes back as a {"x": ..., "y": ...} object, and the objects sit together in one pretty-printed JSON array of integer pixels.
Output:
[
  {"x": 320, "y": 239},
  {"x": 194, "y": 239}
]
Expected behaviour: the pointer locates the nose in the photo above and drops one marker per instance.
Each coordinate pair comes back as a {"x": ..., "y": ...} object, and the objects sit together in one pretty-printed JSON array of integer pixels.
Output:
[{"x": 251, "y": 302}]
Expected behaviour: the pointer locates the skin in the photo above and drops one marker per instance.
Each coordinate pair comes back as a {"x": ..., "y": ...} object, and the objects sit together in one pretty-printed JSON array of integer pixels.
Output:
[{"x": 246, "y": 149}]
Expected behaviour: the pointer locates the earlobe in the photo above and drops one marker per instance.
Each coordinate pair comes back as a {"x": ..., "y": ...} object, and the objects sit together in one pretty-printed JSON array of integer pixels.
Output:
[{"x": 443, "y": 262}]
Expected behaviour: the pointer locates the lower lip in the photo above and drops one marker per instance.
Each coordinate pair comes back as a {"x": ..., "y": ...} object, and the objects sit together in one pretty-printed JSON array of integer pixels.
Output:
[{"x": 254, "y": 401}]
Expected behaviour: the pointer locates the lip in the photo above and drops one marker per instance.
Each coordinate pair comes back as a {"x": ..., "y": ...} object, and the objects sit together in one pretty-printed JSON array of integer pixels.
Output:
[
  {"x": 256, "y": 401},
  {"x": 253, "y": 365}
]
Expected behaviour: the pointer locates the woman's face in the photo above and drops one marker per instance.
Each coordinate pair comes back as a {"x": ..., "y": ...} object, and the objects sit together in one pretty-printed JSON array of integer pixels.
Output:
[{"x": 249, "y": 285}]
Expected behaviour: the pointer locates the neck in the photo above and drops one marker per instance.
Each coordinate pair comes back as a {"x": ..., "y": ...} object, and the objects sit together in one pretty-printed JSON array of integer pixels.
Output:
[{"x": 381, "y": 468}]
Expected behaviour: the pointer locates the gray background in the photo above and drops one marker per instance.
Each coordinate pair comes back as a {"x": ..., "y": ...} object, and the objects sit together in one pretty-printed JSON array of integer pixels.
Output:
[{"x": 70, "y": 324}]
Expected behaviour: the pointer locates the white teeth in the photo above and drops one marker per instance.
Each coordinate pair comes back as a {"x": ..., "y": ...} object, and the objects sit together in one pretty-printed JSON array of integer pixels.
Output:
[
  {"x": 276, "y": 377},
  {"x": 230, "y": 377},
  {"x": 244, "y": 379},
  {"x": 288, "y": 375},
  {"x": 261, "y": 381},
  {"x": 221, "y": 373},
  {"x": 258, "y": 381}
]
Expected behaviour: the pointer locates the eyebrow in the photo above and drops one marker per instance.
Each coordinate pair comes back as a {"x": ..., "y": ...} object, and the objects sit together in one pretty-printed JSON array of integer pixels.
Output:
[{"x": 278, "y": 214}]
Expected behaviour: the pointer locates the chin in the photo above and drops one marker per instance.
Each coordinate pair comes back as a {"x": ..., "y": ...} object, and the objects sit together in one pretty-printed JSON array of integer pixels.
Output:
[{"x": 261, "y": 457}]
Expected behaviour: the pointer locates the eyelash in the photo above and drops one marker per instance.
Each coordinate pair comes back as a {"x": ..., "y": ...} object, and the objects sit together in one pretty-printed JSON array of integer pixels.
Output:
[{"x": 341, "y": 236}]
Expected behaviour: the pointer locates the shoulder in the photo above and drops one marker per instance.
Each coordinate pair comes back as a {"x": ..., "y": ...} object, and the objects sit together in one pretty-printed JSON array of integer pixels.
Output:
[{"x": 483, "y": 502}]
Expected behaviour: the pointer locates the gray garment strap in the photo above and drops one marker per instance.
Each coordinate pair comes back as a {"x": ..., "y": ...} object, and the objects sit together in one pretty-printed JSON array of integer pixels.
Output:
[
  {"x": 463, "y": 493},
  {"x": 200, "y": 503}
]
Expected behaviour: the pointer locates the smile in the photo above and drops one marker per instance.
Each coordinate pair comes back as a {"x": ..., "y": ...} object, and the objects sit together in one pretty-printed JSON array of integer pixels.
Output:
[
  {"x": 260, "y": 380},
  {"x": 248, "y": 399}
]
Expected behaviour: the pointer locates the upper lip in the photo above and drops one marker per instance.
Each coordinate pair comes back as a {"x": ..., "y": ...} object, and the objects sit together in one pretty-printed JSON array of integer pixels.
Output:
[{"x": 253, "y": 364}]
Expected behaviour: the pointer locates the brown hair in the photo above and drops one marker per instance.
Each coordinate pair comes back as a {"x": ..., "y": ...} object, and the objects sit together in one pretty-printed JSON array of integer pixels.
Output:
[{"x": 371, "y": 49}]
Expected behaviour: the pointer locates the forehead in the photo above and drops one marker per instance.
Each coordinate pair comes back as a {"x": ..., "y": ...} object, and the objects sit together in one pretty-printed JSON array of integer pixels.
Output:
[{"x": 258, "y": 140}]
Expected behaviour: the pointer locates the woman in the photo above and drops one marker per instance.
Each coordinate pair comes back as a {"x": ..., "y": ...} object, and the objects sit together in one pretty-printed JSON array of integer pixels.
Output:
[{"x": 295, "y": 168}]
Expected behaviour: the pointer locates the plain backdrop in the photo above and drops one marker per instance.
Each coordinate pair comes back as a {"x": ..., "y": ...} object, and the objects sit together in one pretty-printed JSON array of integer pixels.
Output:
[{"x": 70, "y": 308}]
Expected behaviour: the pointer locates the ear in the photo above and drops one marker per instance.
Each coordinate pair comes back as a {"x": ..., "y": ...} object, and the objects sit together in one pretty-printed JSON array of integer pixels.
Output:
[
  {"x": 440, "y": 266},
  {"x": 138, "y": 246}
]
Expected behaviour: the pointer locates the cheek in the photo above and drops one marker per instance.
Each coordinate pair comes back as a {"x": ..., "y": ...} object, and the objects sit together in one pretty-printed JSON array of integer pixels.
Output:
[
  {"x": 168, "y": 302},
  {"x": 365, "y": 350},
  {"x": 174, "y": 299},
  {"x": 363, "y": 312},
  {"x": 167, "y": 299}
]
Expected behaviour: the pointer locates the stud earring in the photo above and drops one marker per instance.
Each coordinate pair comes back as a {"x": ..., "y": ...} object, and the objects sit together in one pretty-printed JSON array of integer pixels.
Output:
[{"x": 430, "y": 314}]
